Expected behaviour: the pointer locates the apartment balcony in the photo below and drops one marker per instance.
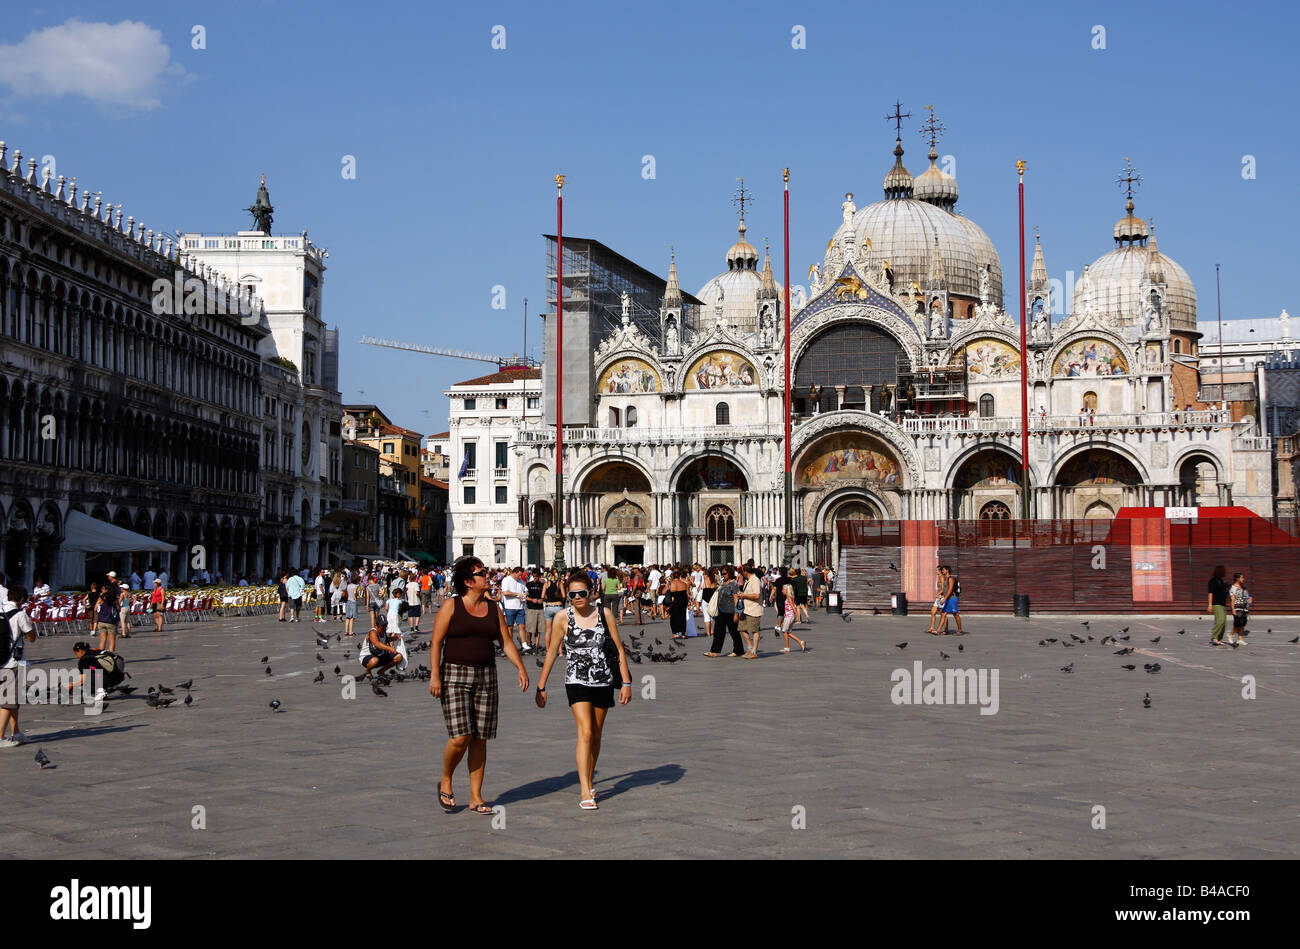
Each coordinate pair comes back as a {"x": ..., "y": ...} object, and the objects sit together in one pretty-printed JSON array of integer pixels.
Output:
[{"x": 500, "y": 474}]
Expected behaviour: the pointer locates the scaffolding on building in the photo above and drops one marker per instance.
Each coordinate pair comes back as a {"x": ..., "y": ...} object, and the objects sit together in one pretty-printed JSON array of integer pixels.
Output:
[{"x": 932, "y": 390}]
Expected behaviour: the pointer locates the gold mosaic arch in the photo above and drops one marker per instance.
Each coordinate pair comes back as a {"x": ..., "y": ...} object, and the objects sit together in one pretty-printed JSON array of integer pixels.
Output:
[
  {"x": 720, "y": 369},
  {"x": 628, "y": 377},
  {"x": 848, "y": 458},
  {"x": 990, "y": 360},
  {"x": 1090, "y": 357}
]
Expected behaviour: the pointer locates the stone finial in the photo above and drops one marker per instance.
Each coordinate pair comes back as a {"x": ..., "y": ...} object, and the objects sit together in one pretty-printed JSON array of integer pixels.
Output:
[
  {"x": 167, "y": 247},
  {"x": 17, "y": 168},
  {"x": 130, "y": 224},
  {"x": 31, "y": 172},
  {"x": 58, "y": 192},
  {"x": 3, "y": 149},
  {"x": 72, "y": 192},
  {"x": 85, "y": 202},
  {"x": 116, "y": 218},
  {"x": 99, "y": 204},
  {"x": 45, "y": 180}
]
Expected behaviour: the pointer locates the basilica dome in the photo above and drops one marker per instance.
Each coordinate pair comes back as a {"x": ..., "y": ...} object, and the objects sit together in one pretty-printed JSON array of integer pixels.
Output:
[
  {"x": 904, "y": 228},
  {"x": 1115, "y": 279},
  {"x": 738, "y": 288}
]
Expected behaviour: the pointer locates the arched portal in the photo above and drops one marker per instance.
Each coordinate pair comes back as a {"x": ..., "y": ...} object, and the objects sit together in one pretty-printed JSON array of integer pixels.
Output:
[
  {"x": 705, "y": 489},
  {"x": 1095, "y": 481},
  {"x": 616, "y": 509},
  {"x": 1198, "y": 480},
  {"x": 846, "y": 464},
  {"x": 988, "y": 475}
]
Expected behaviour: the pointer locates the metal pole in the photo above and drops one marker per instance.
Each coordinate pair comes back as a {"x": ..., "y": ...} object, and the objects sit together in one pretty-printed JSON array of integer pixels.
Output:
[
  {"x": 1024, "y": 362},
  {"x": 559, "y": 373},
  {"x": 526, "y": 357},
  {"x": 789, "y": 500},
  {"x": 1218, "y": 297}
]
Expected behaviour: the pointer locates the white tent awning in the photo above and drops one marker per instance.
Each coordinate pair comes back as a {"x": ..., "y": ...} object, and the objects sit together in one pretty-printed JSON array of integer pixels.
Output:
[{"x": 85, "y": 533}]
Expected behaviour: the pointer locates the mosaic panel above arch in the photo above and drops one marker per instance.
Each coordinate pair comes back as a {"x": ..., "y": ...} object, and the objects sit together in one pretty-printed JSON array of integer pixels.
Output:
[
  {"x": 989, "y": 360},
  {"x": 721, "y": 370},
  {"x": 847, "y": 457},
  {"x": 988, "y": 469},
  {"x": 628, "y": 376},
  {"x": 1090, "y": 357},
  {"x": 1098, "y": 466}
]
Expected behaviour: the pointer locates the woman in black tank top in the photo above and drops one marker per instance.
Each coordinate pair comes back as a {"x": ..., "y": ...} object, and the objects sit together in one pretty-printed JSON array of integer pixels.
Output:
[{"x": 465, "y": 633}]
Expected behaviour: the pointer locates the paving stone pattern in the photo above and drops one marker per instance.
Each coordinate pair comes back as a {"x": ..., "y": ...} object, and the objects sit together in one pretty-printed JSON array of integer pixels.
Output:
[{"x": 722, "y": 763}]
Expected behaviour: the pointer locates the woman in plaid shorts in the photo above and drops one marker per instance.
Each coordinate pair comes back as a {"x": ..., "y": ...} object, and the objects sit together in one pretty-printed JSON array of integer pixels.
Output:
[{"x": 465, "y": 633}]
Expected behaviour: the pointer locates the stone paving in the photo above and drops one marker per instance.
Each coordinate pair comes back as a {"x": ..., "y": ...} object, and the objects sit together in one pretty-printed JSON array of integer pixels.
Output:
[{"x": 728, "y": 760}]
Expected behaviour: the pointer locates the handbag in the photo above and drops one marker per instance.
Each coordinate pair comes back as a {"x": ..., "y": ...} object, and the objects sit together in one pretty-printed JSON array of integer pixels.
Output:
[
  {"x": 711, "y": 606},
  {"x": 611, "y": 659}
]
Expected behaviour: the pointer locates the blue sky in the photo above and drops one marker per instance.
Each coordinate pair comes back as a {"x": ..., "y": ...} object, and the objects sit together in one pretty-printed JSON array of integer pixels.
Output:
[{"x": 456, "y": 143}]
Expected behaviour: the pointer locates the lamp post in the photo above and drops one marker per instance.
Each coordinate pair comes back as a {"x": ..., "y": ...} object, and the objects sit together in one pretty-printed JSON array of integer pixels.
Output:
[{"x": 559, "y": 373}]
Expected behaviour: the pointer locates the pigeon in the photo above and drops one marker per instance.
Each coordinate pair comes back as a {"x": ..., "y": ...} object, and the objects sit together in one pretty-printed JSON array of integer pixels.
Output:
[
  {"x": 1042, "y": 642},
  {"x": 186, "y": 684},
  {"x": 1146, "y": 700},
  {"x": 1125, "y": 638},
  {"x": 900, "y": 645},
  {"x": 266, "y": 659},
  {"x": 319, "y": 657},
  {"x": 1152, "y": 668},
  {"x": 659, "y": 642},
  {"x": 1077, "y": 639},
  {"x": 1084, "y": 624},
  {"x": 1296, "y": 640},
  {"x": 166, "y": 691},
  {"x": 1124, "y": 630},
  {"x": 320, "y": 676},
  {"x": 1129, "y": 668},
  {"x": 162, "y": 703},
  {"x": 1069, "y": 668},
  {"x": 1067, "y": 645},
  {"x": 1049, "y": 640},
  {"x": 347, "y": 656},
  {"x": 338, "y": 671},
  {"x": 338, "y": 637},
  {"x": 1183, "y": 632},
  {"x": 540, "y": 662},
  {"x": 1124, "y": 652},
  {"x": 189, "y": 699},
  {"x": 961, "y": 647},
  {"x": 1089, "y": 639},
  {"x": 152, "y": 690},
  {"x": 944, "y": 654},
  {"x": 1156, "y": 640},
  {"x": 374, "y": 687},
  {"x": 1269, "y": 630},
  {"x": 275, "y": 705},
  {"x": 268, "y": 670},
  {"x": 1104, "y": 640},
  {"x": 126, "y": 689},
  {"x": 41, "y": 758},
  {"x": 892, "y": 567}
]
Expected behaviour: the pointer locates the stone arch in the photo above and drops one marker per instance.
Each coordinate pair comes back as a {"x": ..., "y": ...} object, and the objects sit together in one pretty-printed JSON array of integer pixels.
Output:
[
  {"x": 720, "y": 367},
  {"x": 586, "y": 481},
  {"x": 1093, "y": 474},
  {"x": 876, "y": 349},
  {"x": 1144, "y": 477},
  {"x": 1197, "y": 486},
  {"x": 864, "y": 428},
  {"x": 837, "y": 500},
  {"x": 687, "y": 460}
]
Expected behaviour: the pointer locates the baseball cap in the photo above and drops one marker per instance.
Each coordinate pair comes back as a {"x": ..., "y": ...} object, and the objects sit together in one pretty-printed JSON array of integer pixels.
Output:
[{"x": 113, "y": 574}]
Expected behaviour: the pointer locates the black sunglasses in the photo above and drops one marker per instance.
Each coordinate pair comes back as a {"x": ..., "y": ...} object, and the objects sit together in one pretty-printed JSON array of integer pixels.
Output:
[
  {"x": 480, "y": 573},
  {"x": 579, "y": 594}
]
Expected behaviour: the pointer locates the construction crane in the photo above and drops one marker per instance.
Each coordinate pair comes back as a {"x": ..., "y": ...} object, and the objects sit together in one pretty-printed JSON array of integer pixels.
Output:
[{"x": 499, "y": 361}]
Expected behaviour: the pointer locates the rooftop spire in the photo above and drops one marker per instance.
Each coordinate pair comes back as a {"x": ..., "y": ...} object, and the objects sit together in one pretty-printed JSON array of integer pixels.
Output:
[
  {"x": 1155, "y": 272},
  {"x": 767, "y": 290},
  {"x": 673, "y": 292},
  {"x": 938, "y": 279},
  {"x": 1038, "y": 272}
]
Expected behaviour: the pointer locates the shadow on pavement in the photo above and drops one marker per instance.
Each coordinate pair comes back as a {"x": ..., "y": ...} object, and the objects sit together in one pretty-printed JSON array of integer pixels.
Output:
[
  {"x": 664, "y": 774},
  {"x": 79, "y": 733}
]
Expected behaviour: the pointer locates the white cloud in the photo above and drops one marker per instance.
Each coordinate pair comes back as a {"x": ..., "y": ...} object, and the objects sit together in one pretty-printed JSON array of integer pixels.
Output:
[{"x": 122, "y": 65}]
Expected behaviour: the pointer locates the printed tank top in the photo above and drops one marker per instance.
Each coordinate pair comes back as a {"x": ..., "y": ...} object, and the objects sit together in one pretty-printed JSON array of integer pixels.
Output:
[{"x": 585, "y": 649}]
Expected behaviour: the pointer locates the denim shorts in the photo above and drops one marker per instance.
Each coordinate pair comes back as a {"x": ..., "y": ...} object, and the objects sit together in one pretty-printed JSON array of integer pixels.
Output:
[{"x": 514, "y": 618}]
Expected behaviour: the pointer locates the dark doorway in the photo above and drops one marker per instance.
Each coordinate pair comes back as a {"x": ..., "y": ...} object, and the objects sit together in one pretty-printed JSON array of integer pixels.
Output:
[{"x": 629, "y": 553}]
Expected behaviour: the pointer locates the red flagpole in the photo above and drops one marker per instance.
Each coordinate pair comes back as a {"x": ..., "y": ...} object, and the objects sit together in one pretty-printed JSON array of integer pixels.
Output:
[
  {"x": 1024, "y": 362},
  {"x": 789, "y": 507},
  {"x": 559, "y": 373}
]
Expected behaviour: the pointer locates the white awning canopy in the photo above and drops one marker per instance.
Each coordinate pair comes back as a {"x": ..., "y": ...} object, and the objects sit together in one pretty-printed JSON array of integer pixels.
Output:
[{"x": 85, "y": 533}]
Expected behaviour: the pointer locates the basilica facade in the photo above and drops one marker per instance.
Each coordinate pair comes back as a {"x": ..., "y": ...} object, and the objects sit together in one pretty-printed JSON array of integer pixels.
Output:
[{"x": 906, "y": 396}]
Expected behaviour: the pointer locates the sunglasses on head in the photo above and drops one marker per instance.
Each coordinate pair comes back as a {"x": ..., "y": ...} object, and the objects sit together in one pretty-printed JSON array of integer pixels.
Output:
[{"x": 579, "y": 594}]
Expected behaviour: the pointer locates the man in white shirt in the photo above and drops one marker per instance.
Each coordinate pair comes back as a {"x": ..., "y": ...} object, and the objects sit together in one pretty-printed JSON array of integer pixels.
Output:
[
  {"x": 16, "y": 626},
  {"x": 652, "y": 582},
  {"x": 514, "y": 593},
  {"x": 163, "y": 577},
  {"x": 320, "y": 597}
]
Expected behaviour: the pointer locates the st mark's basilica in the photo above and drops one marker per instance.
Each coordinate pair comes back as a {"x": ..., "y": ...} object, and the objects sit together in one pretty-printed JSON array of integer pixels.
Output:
[{"x": 906, "y": 393}]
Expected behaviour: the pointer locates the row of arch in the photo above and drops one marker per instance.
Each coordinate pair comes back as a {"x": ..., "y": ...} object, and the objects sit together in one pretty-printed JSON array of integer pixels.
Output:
[
  {"x": 44, "y": 426},
  {"x": 54, "y": 316}
]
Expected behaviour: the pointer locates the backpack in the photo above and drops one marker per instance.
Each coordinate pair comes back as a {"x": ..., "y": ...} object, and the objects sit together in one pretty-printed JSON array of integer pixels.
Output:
[
  {"x": 726, "y": 601},
  {"x": 7, "y": 640},
  {"x": 956, "y": 586},
  {"x": 114, "y": 667}
]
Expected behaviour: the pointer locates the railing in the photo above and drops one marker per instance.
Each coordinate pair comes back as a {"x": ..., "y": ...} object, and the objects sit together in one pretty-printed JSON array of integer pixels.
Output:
[
  {"x": 1252, "y": 443},
  {"x": 471, "y": 474},
  {"x": 498, "y": 473},
  {"x": 1050, "y": 423},
  {"x": 639, "y": 435},
  {"x": 356, "y": 504}
]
